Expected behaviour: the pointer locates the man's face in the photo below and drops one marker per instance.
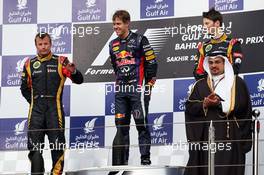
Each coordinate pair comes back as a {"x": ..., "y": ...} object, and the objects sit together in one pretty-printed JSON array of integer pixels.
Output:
[
  {"x": 43, "y": 46},
  {"x": 216, "y": 65},
  {"x": 120, "y": 28},
  {"x": 211, "y": 26}
]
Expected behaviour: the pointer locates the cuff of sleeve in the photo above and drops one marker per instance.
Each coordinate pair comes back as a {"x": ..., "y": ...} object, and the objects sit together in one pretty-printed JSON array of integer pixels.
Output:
[
  {"x": 74, "y": 72},
  {"x": 152, "y": 82}
]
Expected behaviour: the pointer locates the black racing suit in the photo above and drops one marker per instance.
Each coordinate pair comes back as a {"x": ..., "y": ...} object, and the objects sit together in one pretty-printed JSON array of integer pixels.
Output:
[
  {"x": 42, "y": 86},
  {"x": 135, "y": 66},
  {"x": 231, "y": 48}
]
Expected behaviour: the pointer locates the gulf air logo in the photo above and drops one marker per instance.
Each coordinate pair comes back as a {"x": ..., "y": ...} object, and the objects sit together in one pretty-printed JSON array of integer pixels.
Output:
[
  {"x": 190, "y": 87},
  {"x": 20, "y": 64},
  {"x": 261, "y": 85},
  {"x": 56, "y": 32},
  {"x": 89, "y": 126},
  {"x": 158, "y": 1},
  {"x": 90, "y": 3},
  {"x": 19, "y": 128},
  {"x": 21, "y": 4},
  {"x": 158, "y": 123}
]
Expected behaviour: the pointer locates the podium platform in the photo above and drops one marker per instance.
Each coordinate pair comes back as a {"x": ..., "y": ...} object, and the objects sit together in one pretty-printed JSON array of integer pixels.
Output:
[{"x": 130, "y": 170}]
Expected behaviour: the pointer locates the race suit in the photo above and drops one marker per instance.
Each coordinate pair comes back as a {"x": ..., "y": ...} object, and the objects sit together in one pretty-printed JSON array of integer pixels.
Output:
[
  {"x": 42, "y": 86},
  {"x": 231, "y": 47},
  {"x": 135, "y": 66}
]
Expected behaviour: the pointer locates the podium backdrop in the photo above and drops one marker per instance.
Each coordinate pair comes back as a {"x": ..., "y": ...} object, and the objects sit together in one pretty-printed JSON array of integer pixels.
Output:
[{"x": 81, "y": 30}]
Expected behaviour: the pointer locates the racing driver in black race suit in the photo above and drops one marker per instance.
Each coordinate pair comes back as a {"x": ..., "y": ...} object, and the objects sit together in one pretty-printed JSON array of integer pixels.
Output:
[
  {"x": 42, "y": 85},
  {"x": 135, "y": 67}
]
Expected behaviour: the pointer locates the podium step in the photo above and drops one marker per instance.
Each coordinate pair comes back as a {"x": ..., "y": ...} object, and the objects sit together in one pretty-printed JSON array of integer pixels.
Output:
[{"x": 130, "y": 170}]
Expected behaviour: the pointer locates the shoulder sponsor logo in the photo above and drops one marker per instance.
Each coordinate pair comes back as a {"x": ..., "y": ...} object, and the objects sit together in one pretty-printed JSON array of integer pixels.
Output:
[
  {"x": 151, "y": 57},
  {"x": 115, "y": 48},
  {"x": 149, "y": 52},
  {"x": 116, "y": 43}
]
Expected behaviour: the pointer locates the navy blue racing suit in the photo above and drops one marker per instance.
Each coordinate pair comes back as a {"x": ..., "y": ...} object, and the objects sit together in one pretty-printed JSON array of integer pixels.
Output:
[{"x": 135, "y": 66}]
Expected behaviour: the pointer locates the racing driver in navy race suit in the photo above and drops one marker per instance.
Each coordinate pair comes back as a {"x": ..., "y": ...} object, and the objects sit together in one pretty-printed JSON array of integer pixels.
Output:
[{"x": 135, "y": 66}]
